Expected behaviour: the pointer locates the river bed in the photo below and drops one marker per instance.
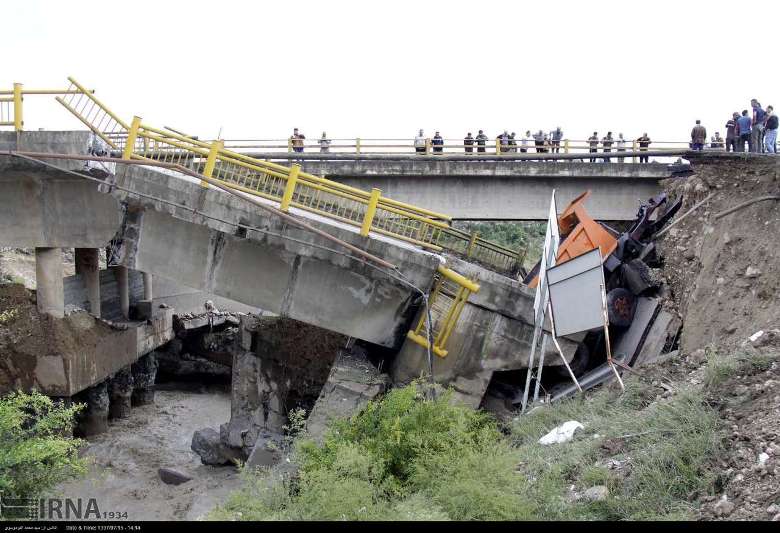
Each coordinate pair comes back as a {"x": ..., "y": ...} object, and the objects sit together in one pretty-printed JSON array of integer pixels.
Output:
[{"x": 124, "y": 461}]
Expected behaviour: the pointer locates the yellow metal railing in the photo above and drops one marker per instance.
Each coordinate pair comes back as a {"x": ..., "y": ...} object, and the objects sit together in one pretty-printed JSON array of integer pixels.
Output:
[
  {"x": 450, "y": 293},
  {"x": 290, "y": 186},
  {"x": 12, "y": 104}
]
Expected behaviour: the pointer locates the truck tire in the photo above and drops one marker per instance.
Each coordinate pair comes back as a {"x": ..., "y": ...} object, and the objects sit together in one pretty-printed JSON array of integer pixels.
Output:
[{"x": 621, "y": 305}]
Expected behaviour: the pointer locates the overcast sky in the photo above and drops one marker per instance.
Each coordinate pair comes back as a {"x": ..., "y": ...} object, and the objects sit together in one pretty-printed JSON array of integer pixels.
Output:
[{"x": 384, "y": 69}]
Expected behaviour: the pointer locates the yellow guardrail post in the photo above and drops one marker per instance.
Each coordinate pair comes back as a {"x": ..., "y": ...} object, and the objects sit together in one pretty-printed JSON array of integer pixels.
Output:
[
  {"x": 566, "y": 146},
  {"x": 633, "y": 149},
  {"x": 427, "y": 146},
  {"x": 211, "y": 160},
  {"x": 357, "y": 145},
  {"x": 368, "y": 219},
  {"x": 498, "y": 146},
  {"x": 18, "y": 117},
  {"x": 292, "y": 180},
  {"x": 132, "y": 135},
  {"x": 289, "y": 145},
  {"x": 472, "y": 242}
]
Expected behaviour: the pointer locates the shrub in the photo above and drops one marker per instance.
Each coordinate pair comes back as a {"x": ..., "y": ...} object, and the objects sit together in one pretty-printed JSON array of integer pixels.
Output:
[{"x": 36, "y": 451}]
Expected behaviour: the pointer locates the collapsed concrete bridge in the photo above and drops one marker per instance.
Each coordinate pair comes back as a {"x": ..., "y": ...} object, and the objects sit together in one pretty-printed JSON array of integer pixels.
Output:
[{"x": 167, "y": 226}]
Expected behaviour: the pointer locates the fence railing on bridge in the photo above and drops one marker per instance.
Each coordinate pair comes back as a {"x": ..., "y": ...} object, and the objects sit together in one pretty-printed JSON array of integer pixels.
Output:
[
  {"x": 288, "y": 185},
  {"x": 631, "y": 150}
]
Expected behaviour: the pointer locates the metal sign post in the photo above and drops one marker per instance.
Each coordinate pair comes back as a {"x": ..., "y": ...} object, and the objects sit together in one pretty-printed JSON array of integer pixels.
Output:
[{"x": 549, "y": 254}]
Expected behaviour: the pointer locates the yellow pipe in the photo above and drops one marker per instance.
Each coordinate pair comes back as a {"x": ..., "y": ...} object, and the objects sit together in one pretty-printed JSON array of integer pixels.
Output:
[
  {"x": 290, "y": 188},
  {"x": 471, "y": 243},
  {"x": 422, "y": 341},
  {"x": 132, "y": 135},
  {"x": 457, "y": 278},
  {"x": 18, "y": 117},
  {"x": 357, "y": 145},
  {"x": 211, "y": 161},
  {"x": 368, "y": 219}
]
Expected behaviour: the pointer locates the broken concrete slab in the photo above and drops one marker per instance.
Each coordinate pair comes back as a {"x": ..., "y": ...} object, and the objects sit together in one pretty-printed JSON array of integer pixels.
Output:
[
  {"x": 353, "y": 381},
  {"x": 267, "y": 450},
  {"x": 208, "y": 445}
]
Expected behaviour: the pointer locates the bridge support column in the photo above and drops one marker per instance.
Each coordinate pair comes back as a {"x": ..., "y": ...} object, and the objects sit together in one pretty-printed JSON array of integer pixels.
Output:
[
  {"x": 48, "y": 281},
  {"x": 148, "y": 292},
  {"x": 88, "y": 267},
  {"x": 123, "y": 286}
]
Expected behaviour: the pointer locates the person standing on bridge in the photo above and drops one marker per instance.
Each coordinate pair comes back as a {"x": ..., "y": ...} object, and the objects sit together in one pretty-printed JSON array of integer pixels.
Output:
[
  {"x": 731, "y": 133},
  {"x": 481, "y": 140},
  {"x": 512, "y": 143},
  {"x": 468, "y": 143},
  {"x": 525, "y": 142},
  {"x": 621, "y": 147},
  {"x": 698, "y": 136},
  {"x": 757, "y": 134},
  {"x": 770, "y": 133},
  {"x": 502, "y": 142},
  {"x": 324, "y": 144},
  {"x": 438, "y": 143},
  {"x": 593, "y": 142},
  {"x": 297, "y": 140},
  {"x": 644, "y": 142},
  {"x": 744, "y": 126},
  {"x": 606, "y": 142},
  {"x": 420, "y": 143},
  {"x": 539, "y": 141},
  {"x": 557, "y": 135}
]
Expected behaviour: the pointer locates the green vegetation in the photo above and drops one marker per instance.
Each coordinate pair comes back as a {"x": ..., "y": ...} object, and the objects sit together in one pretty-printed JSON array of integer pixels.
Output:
[
  {"x": 36, "y": 452},
  {"x": 721, "y": 367},
  {"x": 407, "y": 457},
  {"x": 514, "y": 235}
]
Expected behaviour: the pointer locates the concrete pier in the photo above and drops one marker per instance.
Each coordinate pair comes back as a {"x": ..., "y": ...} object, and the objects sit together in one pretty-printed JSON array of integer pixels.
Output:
[
  {"x": 144, "y": 373},
  {"x": 120, "y": 392},
  {"x": 148, "y": 291},
  {"x": 94, "y": 419},
  {"x": 88, "y": 267},
  {"x": 48, "y": 280},
  {"x": 124, "y": 289}
]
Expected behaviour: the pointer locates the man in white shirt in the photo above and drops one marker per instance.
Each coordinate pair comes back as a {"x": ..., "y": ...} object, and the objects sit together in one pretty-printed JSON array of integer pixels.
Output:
[{"x": 419, "y": 143}]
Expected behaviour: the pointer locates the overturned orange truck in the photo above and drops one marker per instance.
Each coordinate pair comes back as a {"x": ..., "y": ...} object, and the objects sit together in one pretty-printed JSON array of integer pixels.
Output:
[{"x": 627, "y": 256}]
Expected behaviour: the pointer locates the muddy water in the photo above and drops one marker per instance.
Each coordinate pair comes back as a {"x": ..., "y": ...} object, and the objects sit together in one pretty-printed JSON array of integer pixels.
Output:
[{"x": 124, "y": 461}]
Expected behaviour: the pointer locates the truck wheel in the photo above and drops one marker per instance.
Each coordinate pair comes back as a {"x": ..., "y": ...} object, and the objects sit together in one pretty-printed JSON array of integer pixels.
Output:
[{"x": 621, "y": 305}]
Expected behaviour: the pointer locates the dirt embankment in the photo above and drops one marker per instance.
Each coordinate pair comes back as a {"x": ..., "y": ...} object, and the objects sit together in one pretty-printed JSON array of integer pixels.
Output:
[
  {"x": 724, "y": 272},
  {"x": 724, "y": 276}
]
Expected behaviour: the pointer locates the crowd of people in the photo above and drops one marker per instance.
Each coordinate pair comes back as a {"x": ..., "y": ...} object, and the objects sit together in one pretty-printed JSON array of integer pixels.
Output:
[{"x": 745, "y": 132}]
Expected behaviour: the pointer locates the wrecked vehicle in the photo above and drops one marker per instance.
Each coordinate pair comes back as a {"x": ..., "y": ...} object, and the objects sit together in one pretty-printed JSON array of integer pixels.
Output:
[{"x": 629, "y": 258}]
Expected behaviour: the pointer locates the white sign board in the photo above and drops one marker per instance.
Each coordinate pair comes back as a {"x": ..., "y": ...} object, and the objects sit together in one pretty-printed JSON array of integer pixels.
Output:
[{"x": 575, "y": 294}]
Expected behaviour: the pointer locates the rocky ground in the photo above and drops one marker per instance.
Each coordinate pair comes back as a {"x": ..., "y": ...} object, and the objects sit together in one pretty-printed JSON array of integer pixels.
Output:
[{"x": 724, "y": 275}]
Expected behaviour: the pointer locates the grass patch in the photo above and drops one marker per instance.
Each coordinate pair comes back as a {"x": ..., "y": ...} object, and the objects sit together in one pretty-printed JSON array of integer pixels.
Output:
[
  {"x": 406, "y": 457},
  {"x": 722, "y": 367}
]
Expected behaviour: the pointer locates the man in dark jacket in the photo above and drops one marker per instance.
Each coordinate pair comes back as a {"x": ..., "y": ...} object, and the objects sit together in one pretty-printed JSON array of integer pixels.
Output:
[
  {"x": 593, "y": 142},
  {"x": 481, "y": 140},
  {"x": 770, "y": 133},
  {"x": 468, "y": 143},
  {"x": 438, "y": 143},
  {"x": 744, "y": 129},
  {"x": 644, "y": 142},
  {"x": 698, "y": 136},
  {"x": 731, "y": 133}
]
